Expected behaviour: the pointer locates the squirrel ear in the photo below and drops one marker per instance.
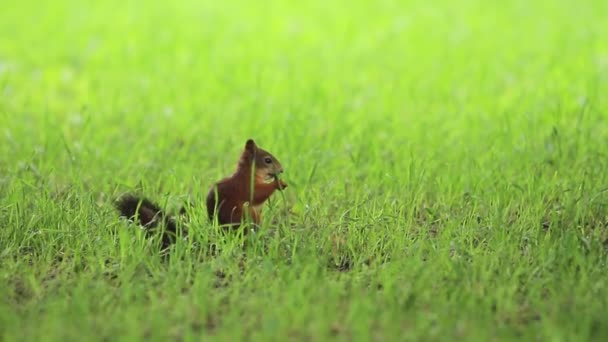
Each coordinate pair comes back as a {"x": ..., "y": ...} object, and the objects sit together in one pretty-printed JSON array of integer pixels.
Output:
[{"x": 250, "y": 145}]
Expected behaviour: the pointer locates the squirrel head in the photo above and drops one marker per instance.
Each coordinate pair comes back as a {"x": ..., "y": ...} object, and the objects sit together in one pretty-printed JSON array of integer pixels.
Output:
[{"x": 267, "y": 167}]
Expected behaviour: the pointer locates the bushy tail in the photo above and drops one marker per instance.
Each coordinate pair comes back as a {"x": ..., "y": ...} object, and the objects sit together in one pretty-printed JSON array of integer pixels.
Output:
[{"x": 150, "y": 217}]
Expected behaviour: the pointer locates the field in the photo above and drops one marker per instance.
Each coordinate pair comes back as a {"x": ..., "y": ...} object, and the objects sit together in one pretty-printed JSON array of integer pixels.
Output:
[{"x": 446, "y": 164}]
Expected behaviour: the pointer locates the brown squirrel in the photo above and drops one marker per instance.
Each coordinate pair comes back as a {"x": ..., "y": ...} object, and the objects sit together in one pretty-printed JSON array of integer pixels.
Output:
[{"x": 231, "y": 199}]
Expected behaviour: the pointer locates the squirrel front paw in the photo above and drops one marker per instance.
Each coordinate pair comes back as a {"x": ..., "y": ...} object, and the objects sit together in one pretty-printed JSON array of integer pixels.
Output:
[{"x": 282, "y": 184}]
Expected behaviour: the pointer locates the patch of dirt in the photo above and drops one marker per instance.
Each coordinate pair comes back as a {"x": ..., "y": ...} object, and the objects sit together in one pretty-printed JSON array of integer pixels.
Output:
[
  {"x": 222, "y": 280},
  {"x": 22, "y": 291},
  {"x": 341, "y": 264}
]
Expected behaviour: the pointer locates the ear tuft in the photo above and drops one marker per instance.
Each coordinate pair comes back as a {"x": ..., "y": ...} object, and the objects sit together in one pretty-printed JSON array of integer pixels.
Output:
[{"x": 250, "y": 145}]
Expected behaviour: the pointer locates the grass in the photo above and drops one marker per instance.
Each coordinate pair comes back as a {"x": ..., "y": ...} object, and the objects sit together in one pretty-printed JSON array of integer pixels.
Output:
[{"x": 446, "y": 161}]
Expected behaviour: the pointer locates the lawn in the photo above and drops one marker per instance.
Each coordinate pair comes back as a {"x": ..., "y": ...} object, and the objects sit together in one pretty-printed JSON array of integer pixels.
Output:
[{"x": 446, "y": 164}]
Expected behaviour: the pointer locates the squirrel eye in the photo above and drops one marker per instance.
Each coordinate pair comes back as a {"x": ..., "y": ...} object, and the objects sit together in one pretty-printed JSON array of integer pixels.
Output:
[{"x": 268, "y": 160}]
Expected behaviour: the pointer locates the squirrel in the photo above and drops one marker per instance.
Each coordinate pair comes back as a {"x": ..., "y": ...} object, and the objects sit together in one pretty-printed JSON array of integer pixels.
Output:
[{"x": 231, "y": 199}]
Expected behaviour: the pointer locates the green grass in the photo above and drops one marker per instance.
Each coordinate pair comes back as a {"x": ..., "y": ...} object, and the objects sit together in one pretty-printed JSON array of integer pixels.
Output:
[{"x": 446, "y": 161}]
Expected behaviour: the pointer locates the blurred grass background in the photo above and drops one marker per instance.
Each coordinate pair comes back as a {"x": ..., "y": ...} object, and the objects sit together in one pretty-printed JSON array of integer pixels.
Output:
[{"x": 446, "y": 164}]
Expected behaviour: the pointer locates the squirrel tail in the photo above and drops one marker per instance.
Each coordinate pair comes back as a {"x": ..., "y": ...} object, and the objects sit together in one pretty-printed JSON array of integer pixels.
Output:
[{"x": 150, "y": 217}]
